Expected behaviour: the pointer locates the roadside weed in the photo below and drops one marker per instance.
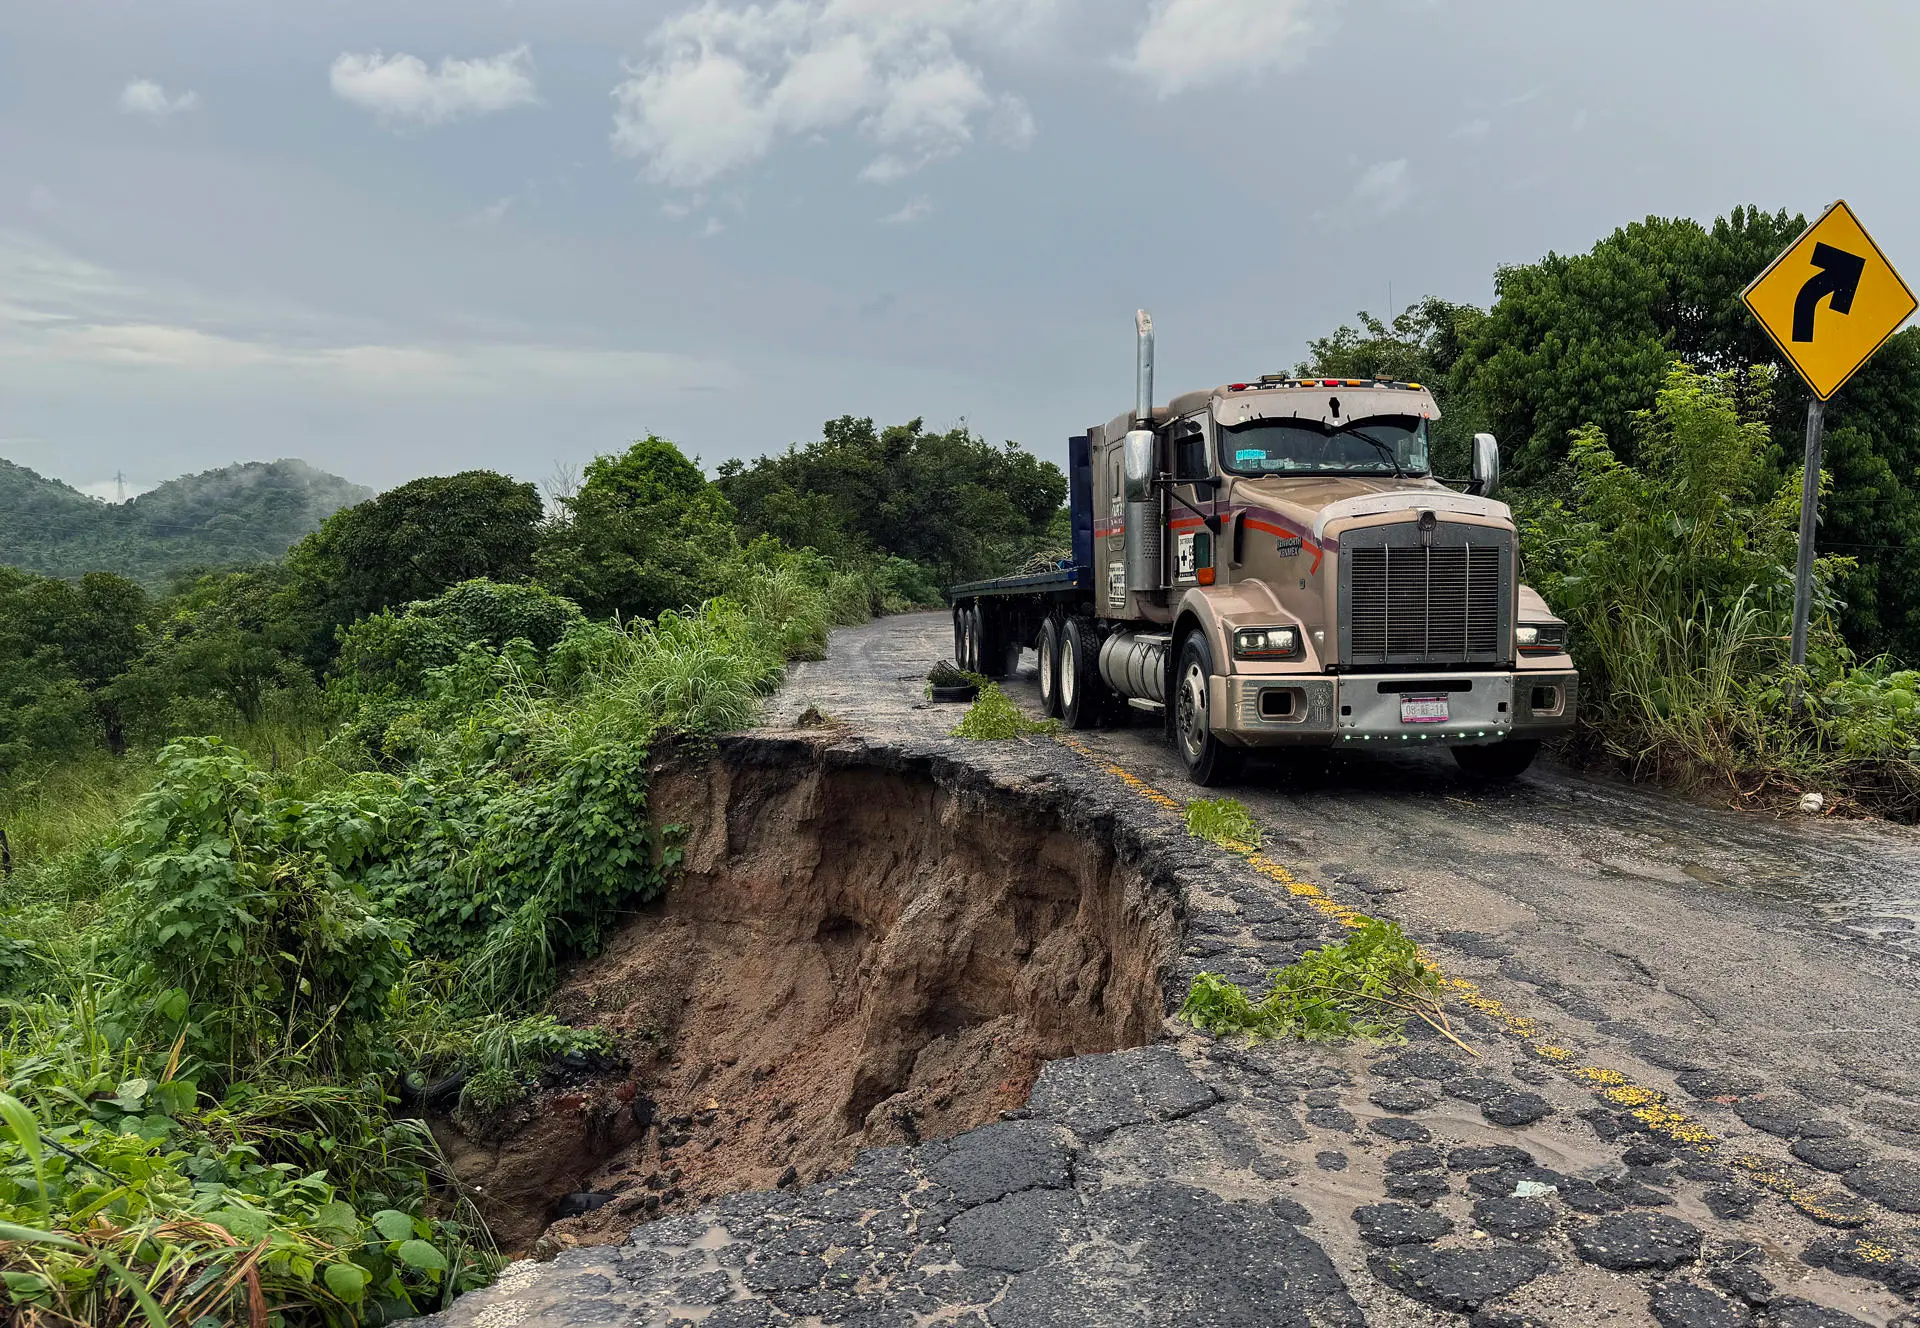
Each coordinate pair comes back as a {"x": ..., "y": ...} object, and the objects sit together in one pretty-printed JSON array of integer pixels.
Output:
[
  {"x": 1365, "y": 986},
  {"x": 993, "y": 718},
  {"x": 1223, "y": 821}
]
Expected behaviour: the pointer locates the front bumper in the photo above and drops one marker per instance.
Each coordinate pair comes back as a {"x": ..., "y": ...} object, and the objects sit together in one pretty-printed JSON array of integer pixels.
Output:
[{"x": 1366, "y": 709}]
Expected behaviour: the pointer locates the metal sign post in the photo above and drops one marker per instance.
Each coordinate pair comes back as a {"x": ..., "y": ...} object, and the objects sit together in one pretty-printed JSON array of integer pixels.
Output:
[{"x": 1809, "y": 512}]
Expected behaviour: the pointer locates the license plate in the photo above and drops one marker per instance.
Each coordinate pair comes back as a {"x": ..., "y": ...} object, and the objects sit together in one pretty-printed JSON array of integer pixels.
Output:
[{"x": 1423, "y": 710}]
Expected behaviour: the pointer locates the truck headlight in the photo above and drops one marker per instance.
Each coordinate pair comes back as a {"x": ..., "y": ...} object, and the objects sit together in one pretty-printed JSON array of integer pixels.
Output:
[
  {"x": 1266, "y": 642},
  {"x": 1541, "y": 638}
]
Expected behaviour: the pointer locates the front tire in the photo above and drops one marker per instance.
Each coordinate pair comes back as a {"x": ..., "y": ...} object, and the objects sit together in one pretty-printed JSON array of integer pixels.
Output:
[
  {"x": 1210, "y": 762},
  {"x": 1046, "y": 648},
  {"x": 1502, "y": 762},
  {"x": 1082, "y": 693}
]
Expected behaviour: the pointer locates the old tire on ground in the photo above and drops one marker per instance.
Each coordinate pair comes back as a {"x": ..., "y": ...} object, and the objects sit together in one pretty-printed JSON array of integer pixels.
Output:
[
  {"x": 1209, "y": 761},
  {"x": 1505, "y": 760},
  {"x": 1083, "y": 696},
  {"x": 1046, "y": 647}
]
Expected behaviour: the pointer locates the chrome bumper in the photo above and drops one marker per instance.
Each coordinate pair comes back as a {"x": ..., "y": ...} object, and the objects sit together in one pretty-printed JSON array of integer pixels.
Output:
[{"x": 1366, "y": 709}]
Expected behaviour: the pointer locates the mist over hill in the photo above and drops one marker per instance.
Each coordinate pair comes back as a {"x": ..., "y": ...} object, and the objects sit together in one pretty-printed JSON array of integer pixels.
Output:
[{"x": 237, "y": 514}]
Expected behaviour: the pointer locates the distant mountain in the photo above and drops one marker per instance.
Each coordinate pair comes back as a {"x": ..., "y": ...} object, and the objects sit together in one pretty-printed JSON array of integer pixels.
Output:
[{"x": 238, "y": 514}]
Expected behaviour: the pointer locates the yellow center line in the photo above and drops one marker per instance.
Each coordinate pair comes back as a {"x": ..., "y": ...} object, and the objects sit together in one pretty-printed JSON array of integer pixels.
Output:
[{"x": 1650, "y": 1107}]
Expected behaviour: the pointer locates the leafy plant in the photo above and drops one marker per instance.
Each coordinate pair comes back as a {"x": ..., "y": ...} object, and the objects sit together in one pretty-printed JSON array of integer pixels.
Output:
[
  {"x": 993, "y": 717},
  {"x": 1365, "y": 986},
  {"x": 1223, "y": 821}
]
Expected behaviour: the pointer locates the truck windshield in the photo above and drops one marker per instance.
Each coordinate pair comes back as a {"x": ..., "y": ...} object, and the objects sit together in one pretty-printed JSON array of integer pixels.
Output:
[{"x": 1380, "y": 444}]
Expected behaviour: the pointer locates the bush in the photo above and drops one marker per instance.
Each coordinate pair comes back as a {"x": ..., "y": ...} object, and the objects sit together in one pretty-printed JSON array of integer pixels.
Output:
[{"x": 1676, "y": 575}]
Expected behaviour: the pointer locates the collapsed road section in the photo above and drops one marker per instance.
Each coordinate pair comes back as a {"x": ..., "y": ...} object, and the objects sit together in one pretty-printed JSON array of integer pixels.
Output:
[{"x": 1569, "y": 1165}]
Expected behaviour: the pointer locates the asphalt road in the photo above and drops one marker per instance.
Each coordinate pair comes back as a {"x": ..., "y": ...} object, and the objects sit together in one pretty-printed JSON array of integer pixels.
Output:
[{"x": 1795, "y": 942}]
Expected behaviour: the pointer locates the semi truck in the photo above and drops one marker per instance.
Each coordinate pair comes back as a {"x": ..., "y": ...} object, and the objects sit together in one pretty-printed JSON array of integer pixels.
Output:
[{"x": 1273, "y": 563}]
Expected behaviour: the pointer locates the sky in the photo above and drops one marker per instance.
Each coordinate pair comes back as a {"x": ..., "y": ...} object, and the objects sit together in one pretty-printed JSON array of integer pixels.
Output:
[{"x": 419, "y": 236}]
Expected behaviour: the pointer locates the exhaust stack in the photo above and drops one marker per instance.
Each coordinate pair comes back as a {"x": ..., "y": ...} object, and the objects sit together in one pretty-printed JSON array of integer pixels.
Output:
[{"x": 1143, "y": 397}]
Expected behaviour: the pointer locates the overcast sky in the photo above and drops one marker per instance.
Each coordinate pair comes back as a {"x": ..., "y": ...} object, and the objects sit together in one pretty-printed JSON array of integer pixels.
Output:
[{"x": 397, "y": 239}]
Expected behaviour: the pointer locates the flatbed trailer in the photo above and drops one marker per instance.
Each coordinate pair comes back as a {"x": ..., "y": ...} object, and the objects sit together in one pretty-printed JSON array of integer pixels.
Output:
[{"x": 1272, "y": 563}]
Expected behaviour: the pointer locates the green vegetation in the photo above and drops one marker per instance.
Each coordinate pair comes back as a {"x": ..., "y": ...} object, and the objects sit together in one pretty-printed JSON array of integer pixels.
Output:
[
  {"x": 1223, "y": 821},
  {"x": 949, "y": 503},
  {"x": 238, "y": 514},
  {"x": 993, "y": 717},
  {"x": 292, "y": 843},
  {"x": 1365, "y": 986}
]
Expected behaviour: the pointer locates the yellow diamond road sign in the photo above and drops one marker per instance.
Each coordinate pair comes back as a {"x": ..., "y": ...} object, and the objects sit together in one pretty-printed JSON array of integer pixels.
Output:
[{"x": 1830, "y": 300}]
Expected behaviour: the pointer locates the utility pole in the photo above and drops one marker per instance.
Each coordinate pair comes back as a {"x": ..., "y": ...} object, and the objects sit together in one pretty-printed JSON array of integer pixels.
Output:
[{"x": 120, "y": 486}]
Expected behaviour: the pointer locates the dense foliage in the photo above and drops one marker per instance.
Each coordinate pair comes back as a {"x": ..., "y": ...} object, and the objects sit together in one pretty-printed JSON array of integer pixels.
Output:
[
  {"x": 238, "y": 514},
  {"x": 948, "y": 502}
]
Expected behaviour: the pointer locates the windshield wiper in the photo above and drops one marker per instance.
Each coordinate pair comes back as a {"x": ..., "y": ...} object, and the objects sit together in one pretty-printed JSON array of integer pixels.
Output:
[{"x": 1386, "y": 450}]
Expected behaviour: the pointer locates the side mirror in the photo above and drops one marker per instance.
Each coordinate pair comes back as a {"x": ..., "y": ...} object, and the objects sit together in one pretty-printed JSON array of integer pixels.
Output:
[
  {"x": 1486, "y": 465},
  {"x": 1137, "y": 463}
]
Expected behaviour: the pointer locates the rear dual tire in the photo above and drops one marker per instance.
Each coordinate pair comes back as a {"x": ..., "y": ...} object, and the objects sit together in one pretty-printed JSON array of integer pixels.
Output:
[
  {"x": 1046, "y": 648},
  {"x": 1084, "y": 698}
]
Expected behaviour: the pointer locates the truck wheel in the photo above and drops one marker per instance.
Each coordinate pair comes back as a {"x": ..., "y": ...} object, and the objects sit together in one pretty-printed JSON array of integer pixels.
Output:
[
  {"x": 960, "y": 635},
  {"x": 1504, "y": 761},
  {"x": 999, "y": 654},
  {"x": 972, "y": 662},
  {"x": 1082, "y": 693},
  {"x": 1210, "y": 762},
  {"x": 1046, "y": 647}
]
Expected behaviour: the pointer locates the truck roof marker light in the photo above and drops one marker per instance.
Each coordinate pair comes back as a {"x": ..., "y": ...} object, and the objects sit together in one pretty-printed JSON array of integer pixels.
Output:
[
  {"x": 1236, "y": 387},
  {"x": 1414, "y": 387}
]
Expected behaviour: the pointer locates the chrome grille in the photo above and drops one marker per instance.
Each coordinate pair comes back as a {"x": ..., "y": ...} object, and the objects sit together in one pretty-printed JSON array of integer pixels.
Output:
[{"x": 1409, "y": 603}]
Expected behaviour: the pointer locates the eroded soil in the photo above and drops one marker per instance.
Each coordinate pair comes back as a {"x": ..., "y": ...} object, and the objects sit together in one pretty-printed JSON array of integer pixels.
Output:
[{"x": 853, "y": 956}]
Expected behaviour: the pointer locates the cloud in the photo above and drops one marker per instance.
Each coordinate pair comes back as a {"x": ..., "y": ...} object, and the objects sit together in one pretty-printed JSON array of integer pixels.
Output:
[
  {"x": 725, "y": 85},
  {"x": 1382, "y": 189},
  {"x": 915, "y": 209},
  {"x": 145, "y": 97},
  {"x": 61, "y": 315},
  {"x": 401, "y": 87},
  {"x": 1190, "y": 42},
  {"x": 1472, "y": 130}
]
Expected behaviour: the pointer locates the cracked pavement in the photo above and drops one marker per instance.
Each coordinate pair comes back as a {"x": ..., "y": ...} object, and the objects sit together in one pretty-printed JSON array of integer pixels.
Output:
[{"x": 1692, "y": 1095}]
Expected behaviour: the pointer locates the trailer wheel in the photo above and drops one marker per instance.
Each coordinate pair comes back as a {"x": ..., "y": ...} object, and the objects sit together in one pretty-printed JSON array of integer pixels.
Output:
[
  {"x": 999, "y": 652},
  {"x": 1046, "y": 647},
  {"x": 972, "y": 662},
  {"x": 1503, "y": 761},
  {"x": 1083, "y": 696},
  {"x": 1209, "y": 761},
  {"x": 960, "y": 635}
]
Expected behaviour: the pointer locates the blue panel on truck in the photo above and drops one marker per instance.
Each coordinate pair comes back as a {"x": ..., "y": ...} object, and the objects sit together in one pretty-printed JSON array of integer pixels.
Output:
[{"x": 1080, "y": 497}]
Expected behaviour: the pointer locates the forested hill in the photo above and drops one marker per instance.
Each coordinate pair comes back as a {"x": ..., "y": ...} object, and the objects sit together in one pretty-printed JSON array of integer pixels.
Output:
[{"x": 237, "y": 514}]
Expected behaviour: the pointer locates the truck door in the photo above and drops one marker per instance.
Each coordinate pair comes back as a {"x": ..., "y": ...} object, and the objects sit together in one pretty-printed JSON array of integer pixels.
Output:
[{"x": 1188, "y": 544}]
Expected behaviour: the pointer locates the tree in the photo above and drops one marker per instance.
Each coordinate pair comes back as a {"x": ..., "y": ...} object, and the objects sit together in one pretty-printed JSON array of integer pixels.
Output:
[
  {"x": 951, "y": 502},
  {"x": 408, "y": 544},
  {"x": 1587, "y": 339},
  {"x": 1422, "y": 345},
  {"x": 645, "y": 533}
]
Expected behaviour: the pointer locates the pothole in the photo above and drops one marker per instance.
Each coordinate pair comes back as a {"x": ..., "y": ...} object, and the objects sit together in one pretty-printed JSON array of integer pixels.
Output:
[{"x": 854, "y": 956}]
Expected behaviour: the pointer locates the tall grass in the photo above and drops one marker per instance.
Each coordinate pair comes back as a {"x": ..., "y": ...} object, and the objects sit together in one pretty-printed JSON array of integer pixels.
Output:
[{"x": 1676, "y": 576}]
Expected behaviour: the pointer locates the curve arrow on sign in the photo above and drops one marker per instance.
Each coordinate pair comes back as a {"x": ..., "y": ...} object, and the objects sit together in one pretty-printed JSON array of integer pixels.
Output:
[{"x": 1838, "y": 277}]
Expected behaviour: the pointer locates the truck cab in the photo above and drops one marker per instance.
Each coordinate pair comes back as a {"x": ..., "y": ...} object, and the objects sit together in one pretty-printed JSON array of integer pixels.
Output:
[{"x": 1272, "y": 563}]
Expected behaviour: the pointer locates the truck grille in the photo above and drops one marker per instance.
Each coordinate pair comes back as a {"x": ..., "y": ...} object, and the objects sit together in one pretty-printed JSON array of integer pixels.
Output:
[{"x": 1408, "y": 603}]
